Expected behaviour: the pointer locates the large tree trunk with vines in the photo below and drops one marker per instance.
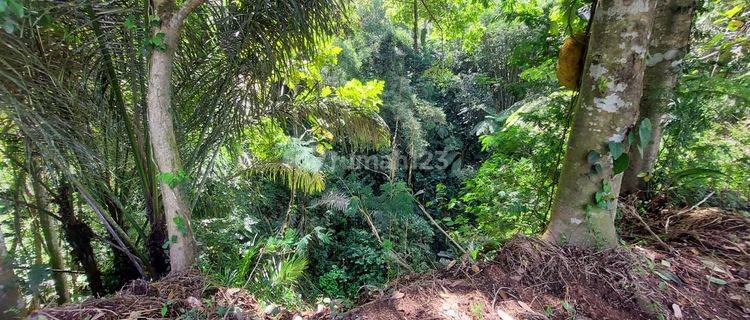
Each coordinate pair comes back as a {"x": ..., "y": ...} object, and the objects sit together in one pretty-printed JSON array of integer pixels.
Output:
[
  {"x": 161, "y": 131},
  {"x": 586, "y": 200},
  {"x": 669, "y": 43},
  {"x": 51, "y": 239}
]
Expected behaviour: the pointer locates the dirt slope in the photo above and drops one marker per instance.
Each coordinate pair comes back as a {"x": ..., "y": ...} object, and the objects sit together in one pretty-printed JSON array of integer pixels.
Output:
[
  {"x": 701, "y": 274},
  {"x": 701, "y": 271}
]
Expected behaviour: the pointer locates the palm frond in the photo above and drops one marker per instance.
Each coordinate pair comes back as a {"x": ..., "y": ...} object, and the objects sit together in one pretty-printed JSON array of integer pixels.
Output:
[{"x": 303, "y": 181}]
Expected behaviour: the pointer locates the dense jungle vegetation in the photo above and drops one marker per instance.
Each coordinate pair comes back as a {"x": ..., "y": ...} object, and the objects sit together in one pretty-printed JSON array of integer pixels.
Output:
[{"x": 313, "y": 151}]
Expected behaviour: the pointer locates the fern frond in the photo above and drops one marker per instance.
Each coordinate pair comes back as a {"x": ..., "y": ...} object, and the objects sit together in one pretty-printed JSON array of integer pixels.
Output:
[
  {"x": 301, "y": 180},
  {"x": 334, "y": 201}
]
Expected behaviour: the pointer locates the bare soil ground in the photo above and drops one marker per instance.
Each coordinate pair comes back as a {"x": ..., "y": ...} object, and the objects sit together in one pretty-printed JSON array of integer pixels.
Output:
[{"x": 700, "y": 270}]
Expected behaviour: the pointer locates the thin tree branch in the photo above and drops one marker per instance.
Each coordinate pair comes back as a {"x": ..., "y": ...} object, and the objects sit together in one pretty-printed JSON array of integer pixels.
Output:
[
  {"x": 178, "y": 19},
  {"x": 439, "y": 228}
]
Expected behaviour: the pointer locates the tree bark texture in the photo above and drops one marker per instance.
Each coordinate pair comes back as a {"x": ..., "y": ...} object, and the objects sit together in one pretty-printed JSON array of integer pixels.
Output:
[
  {"x": 161, "y": 131},
  {"x": 606, "y": 109},
  {"x": 670, "y": 40}
]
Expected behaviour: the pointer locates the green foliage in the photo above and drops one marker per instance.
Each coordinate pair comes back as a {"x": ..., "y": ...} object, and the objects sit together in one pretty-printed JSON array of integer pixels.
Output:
[
  {"x": 511, "y": 191},
  {"x": 156, "y": 42},
  {"x": 707, "y": 127},
  {"x": 173, "y": 179},
  {"x": 362, "y": 95},
  {"x": 474, "y": 120},
  {"x": 644, "y": 135},
  {"x": 334, "y": 282},
  {"x": 621, "y": 164},
  {"x": 10, "y": 12}
]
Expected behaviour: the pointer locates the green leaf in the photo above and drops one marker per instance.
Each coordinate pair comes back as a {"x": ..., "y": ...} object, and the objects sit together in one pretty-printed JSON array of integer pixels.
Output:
[
  {"x": 387, "y": 245},
  {"x": 631, "y": 137},
  {"x": 172, "y": 179},
  {"x": 154, "y": 21},
  {"x": 9, "y": 25},
  {"x": 164, "y": 310},
  {"x": 592, "y": 157},
  {"x": 644, "y": 135},
  {"x": 615, "y": 149},
  {"x": 568, "y": 307},
  {"x": 130, "y": 23},
  {"x": 732, "y": 12},
  {"x": 589, "y": 209},
  {"x": 322, "y": 234},
  {"x": 715, "y": 280},
  {"x": 16, "y": 7},
  {"x": 695, "y": 172},
  {"x": 663, "y": 276},
  {"x": 598, "y": 168},
  {"x": 667, "y": 275},
  {"x": 621, "y": 164}
]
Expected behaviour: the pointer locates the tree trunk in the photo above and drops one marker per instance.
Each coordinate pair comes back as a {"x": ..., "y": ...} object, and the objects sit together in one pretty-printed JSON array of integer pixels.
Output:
[
  {"x": 162, "y": 134},
  {"x": 51, "y": 239},
  {"x": 415, "y": 27},
  {"x": 157, "y": 235},
  {"x": 607, "y": 108},
  {"x": 38, "y": 259},
  {"x": 11, "y": 301},
  {"x": 79, "y": 235},
  {"x": 669, "y": 43}
]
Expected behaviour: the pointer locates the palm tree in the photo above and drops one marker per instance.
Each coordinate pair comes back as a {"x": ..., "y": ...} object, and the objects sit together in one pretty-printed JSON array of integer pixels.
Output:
[{"x": 76, "y": 80}]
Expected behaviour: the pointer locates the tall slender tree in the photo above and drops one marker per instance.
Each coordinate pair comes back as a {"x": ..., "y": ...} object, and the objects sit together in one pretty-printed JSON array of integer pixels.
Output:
[
  {"x": 586, "y": 200},
  {"x": 670, "y": 40},
  {"x": 51, "y": 238},
  {"x": 161, "y": 130}
]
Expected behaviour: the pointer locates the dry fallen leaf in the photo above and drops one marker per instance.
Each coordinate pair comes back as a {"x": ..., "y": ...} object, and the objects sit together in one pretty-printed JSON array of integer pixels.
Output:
[
  {"x": 397, "y": 295},
  {"x": 677, "y": 311},
  {"x": 194, "y": 302},
  {"x": 450, "y": 265},
  {"x": 504, "y": 315},
  {"x": 526, "y": 306}
]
